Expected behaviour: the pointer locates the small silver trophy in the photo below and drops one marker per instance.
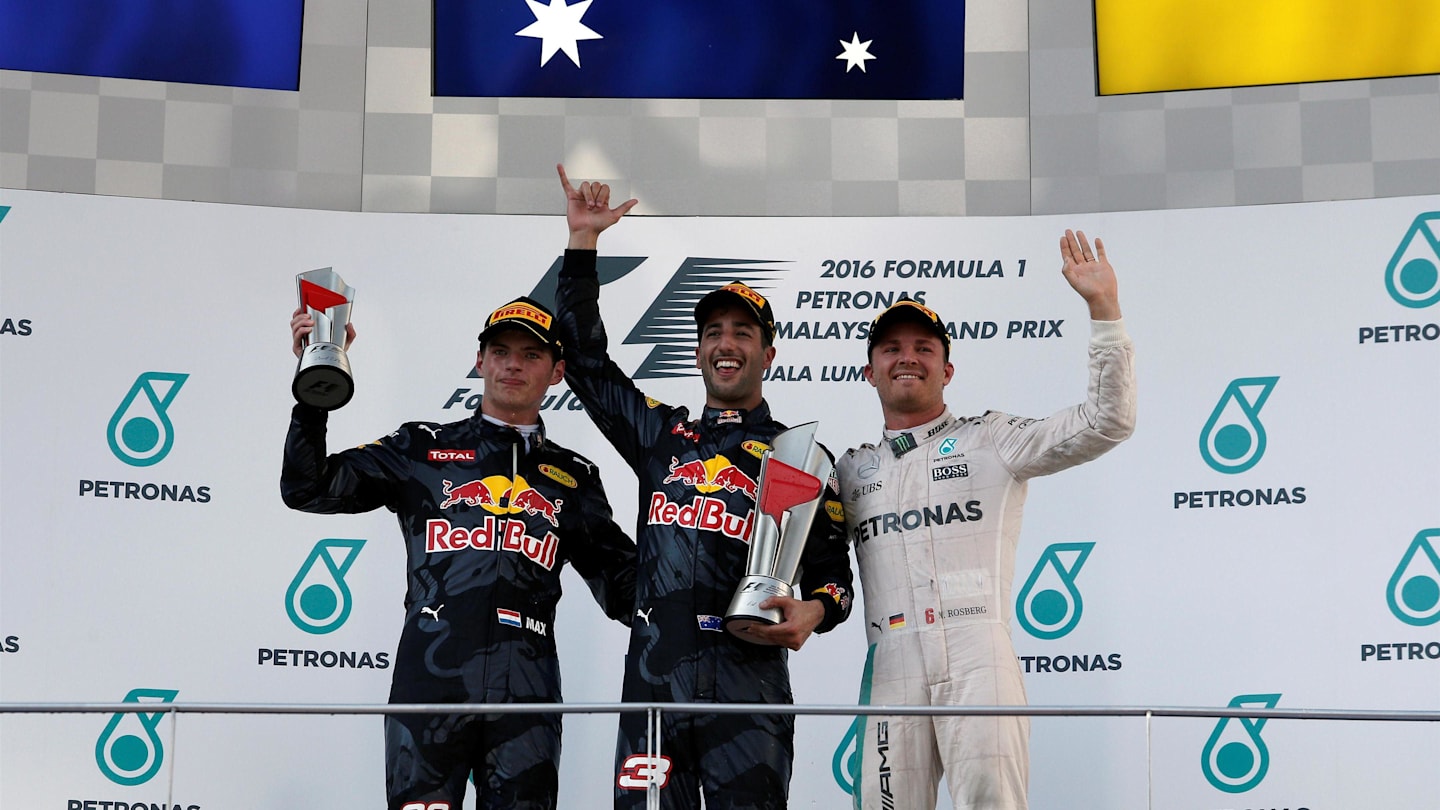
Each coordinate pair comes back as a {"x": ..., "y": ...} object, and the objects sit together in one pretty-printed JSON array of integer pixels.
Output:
[
  {"x": 792, "y": 482},
  {"x": 322, "y": 380}
]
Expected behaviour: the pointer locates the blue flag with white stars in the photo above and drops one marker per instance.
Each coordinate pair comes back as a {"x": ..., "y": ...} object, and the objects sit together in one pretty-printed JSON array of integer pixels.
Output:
[
  {"x": 780, "y": 49},
  {"x": 238, "y": 43}
]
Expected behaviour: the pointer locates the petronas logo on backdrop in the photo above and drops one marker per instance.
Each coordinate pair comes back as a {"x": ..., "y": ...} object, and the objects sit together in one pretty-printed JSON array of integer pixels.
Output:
[
  {"x": 1233, "y": 439},
  {"x": 1049, "y": 605},
  {"x": 1235, "y": 758},
  {"x": 140, "y": 432},
  {"x": 1413, "y": 275},
  {"x": 1414, "y": 589},
  {"x": 129, "y": 751},
  {"x": 318, "y": 600}
]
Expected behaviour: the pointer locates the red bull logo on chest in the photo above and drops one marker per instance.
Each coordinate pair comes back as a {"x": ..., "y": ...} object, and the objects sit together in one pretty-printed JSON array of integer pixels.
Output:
[
  {"x": 712, "y": 475},
  {"x": 501, "y": 496}
]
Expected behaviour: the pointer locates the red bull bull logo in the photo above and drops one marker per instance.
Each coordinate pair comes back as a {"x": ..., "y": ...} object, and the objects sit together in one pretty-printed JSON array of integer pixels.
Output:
[
  {"x": 711, "y": 475},
  {"x": 470, "y": 493},
  {"x": 731, "y": 479},
  {"x": 501, "y": 496},
  {"x": 691, "y": 473},
  {"x": 533, "y": 503}
]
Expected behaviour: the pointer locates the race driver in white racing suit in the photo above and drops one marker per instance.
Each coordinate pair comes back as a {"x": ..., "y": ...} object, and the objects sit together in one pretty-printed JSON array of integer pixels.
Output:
[{"x": 934, "y": 514}]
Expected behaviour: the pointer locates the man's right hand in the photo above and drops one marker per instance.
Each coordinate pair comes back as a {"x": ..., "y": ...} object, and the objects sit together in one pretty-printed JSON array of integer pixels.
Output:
[
  {"x": 301, "y": 324},
  {"x": 588, "y": 211}
]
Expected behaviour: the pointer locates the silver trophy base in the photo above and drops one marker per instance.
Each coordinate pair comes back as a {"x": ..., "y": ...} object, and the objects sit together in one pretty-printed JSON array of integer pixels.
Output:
[
  {"x": 745, "y": 612},
  {"x": 323, "y": 378}
]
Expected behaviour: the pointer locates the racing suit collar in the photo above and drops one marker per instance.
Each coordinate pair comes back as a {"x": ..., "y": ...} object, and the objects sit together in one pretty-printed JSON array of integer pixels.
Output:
[
  {"x": 901, "y": 442},
  {"x": 721, "y": 417},
  {"x": 490, "y": 430}
]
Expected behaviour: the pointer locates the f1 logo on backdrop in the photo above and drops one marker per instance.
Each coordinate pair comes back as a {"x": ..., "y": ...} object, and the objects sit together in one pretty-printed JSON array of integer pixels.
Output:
[
  {"x": 1413, "y": 274},
  {"x": 1233, "y": 439},
  {"x": 140, "y": 432},
  {"x": 1049, "y": 605},
  {"x": 1235, "y": 759},
  {"x": 129, "y": 752},
  {"x": 669, "y": 323},
  {"x": 1414, "y": 589},
  {"x": 318, "y": 600}
]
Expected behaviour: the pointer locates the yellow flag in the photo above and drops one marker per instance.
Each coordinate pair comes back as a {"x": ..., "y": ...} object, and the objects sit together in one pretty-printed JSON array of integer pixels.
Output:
[{"x": 1146, "y": 46}]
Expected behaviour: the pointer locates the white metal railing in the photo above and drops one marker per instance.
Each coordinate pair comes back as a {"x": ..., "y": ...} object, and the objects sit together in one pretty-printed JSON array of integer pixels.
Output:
[{"x": 655, "y": 711}]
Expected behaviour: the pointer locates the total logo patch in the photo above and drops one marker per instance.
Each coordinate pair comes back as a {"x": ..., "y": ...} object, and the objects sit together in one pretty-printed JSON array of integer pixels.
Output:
[{"x": 450, "y": 455}]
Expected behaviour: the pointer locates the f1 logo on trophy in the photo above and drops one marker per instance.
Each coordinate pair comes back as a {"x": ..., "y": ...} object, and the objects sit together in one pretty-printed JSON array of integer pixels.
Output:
[
  {"x": 792, "y": 481},
  {"x": 322, "y": 380}
]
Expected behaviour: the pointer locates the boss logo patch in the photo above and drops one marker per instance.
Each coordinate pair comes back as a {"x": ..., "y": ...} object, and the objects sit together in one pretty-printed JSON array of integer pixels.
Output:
[{"x": 950, "y": 471}]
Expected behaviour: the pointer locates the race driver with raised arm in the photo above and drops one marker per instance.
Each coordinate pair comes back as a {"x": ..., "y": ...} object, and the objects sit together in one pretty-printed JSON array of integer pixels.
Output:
[
  {"x": 934, "y": 512},
  {"x": 696, "y": 502}
]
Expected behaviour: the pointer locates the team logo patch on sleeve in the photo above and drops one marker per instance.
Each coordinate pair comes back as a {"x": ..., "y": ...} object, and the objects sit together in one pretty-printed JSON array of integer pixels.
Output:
[{"x": 652, "y": 403}]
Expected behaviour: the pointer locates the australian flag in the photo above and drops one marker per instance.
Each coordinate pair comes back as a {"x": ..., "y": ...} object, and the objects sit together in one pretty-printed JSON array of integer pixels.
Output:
[
  {"x": 781, "y": 49},
  {"x": 239, "y": 43}
]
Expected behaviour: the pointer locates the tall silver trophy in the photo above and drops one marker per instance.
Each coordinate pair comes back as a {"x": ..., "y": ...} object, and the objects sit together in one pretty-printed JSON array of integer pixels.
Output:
[
  {"x": 792, "y": 483},
  {"x": 322, "y": 380}
]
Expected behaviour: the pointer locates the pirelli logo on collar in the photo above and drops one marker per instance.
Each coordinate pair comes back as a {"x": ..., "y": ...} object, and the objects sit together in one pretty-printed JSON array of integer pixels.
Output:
[
  {"x": 524, "y": 312},
  {"x": 950, "y": 471}
]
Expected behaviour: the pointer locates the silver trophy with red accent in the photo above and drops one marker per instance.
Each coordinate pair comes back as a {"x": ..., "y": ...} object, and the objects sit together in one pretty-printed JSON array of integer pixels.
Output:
[
  {"x": 792, "y": 483},
  {"x": 322, "y": 380}
]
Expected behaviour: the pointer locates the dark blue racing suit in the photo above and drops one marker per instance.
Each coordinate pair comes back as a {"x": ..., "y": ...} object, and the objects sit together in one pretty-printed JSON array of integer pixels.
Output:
[
  {"x": 697, "y": 500},
  {"x": 489, "y": 519}
]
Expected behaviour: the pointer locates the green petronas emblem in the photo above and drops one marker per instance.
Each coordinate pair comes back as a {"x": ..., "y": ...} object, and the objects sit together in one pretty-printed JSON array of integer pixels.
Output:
[
  {"x": 129, "y": 752},
  {"x": 1049, "y": 605},
  {"x": 1414, "y": 589},
  {"x": 318, "y": 600},
  {"x": 1413, "y": 275},
  {"x": 1233, "y": 440},
  {"x": 140, "y": 432},
  {"x": 1235, "y": 758}
]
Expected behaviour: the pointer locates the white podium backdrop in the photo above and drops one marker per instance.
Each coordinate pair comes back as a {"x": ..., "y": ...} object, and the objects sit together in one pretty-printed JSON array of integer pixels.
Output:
[{"x": 145, "y": 553}]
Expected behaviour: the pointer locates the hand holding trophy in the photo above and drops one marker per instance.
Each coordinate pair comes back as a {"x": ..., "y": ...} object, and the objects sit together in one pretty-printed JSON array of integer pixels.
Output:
[
  {"x": 792, "y": 481},
  {"x": 322, "y": 378}
]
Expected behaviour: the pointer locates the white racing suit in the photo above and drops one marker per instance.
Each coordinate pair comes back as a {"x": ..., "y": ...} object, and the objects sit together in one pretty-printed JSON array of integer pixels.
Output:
[{"x": 935, "y": 530}]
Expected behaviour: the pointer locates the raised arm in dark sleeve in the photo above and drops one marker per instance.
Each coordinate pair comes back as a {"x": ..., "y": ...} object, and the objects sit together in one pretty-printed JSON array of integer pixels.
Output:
[
  {"x": 357, "y": 480},
  {"x": 621, "y": 411}
]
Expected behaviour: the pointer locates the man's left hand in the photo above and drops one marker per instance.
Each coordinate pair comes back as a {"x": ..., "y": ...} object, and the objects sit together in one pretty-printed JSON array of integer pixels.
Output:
[
  {"x": 1090, "y": 273},
  {"x": 802, "y": 616}
]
